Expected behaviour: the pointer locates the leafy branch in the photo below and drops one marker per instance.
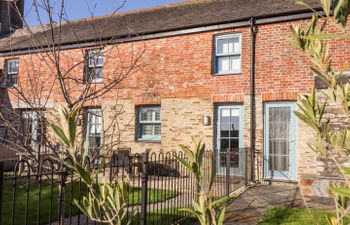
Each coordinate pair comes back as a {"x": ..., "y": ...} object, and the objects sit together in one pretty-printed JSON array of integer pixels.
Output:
[
  {"x": 105, "y": 202},
  {"x": 205, "y": 207},
  {"x": 330, "y": 142}
]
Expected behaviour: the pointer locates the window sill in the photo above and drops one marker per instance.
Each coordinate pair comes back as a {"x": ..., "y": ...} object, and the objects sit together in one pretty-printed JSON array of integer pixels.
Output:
[
  {"x": 8, "y": 87},
  {"x": 148, "y": 141},
  {"x": 226, "y": 74},
  {"x": 97, "y": 81}
]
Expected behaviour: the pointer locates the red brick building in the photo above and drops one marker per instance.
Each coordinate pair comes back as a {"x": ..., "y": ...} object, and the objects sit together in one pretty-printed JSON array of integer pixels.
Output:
[{"x": 219, "y": 70}]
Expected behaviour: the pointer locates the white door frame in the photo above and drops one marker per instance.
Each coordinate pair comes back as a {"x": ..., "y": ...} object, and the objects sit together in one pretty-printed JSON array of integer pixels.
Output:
[
  {"x": 291, "y": 173},
  {"x": 234, "y": 171}
]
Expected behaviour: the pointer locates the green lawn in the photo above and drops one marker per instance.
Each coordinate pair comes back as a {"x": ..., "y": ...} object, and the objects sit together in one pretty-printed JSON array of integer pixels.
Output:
[
  {"x": 293, "y": 216},
  {"x": 9, "y": 174},
  {"x": 72, "y": 191}
]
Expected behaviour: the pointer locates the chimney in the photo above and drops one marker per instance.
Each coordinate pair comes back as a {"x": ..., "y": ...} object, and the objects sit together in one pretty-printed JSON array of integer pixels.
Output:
[{"x": 10, "y": 19}]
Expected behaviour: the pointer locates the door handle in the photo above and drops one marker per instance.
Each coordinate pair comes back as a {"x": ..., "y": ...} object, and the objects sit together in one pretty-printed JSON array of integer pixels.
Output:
[{"x": 291, "y": 143}]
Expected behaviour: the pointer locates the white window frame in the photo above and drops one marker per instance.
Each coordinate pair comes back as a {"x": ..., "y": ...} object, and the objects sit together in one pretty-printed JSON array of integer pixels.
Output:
[
  {"x": 11, "y": 73},
  {"x": 88, "y": 113},
  {"x": 153, "y": 122},
  {"x": 92, "y": 63},
  {"x": 221, "y": 55}
]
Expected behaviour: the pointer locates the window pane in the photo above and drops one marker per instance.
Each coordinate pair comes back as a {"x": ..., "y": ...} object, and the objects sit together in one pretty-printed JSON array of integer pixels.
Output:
[
  {"x": 225, "y": 46},
  {"x": 95, "y": 140},
  {"x": 157, "y": 128},
  {"x": 234, "y": 153},
  {"x": 224, "y": 144},
  {"x": 95, "y": 128},
  {"x": 99, "y": 61},
  {"x": 146, "y": 115},
  {"x": 230, "y": 45},
  {"x": 150, "y": 114},
  {"x": 223, "y": 64},
  {"x": 94, "y": 73},
  {"x": 234, "y": 143},
  {"x": 235, "y": 63},
  {"x": 98, "y": 121},
  {"x": 96, "y": 61},
  {"x": 11, "y": 67},
  {"x": 12, "y": 80},
  {"x": 225, "y": 123},
  {"x": 147, "y": 129},
  {"x": 235, "y": 126},
  {"x": 92, "y": 62},
  {"x": 236, "y": 45},
  {"x": 91, "y": 128},
  {"x": 157, "y": 114},
  {"x": 231, "y": 160},
  {"x": 220, "y": 45},
  {"x": 97, "y": 72}
]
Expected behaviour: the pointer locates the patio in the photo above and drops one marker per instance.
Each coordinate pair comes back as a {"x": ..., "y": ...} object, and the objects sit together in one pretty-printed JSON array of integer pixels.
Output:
[{"x": 248, "y": 208}]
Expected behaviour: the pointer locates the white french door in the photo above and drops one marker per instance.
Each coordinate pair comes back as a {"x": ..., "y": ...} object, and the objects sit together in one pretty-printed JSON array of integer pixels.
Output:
[
  {"x": 279, "y": 143},
  {"x": 229, "y": 137}
]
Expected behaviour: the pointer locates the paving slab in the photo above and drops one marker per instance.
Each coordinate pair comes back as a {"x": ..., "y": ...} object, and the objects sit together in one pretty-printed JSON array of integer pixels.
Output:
[{"x": 248, "y": 208}]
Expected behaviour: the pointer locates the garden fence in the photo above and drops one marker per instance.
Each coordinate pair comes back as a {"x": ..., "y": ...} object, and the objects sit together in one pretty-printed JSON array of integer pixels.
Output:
[{"x": 159, "y": 187}]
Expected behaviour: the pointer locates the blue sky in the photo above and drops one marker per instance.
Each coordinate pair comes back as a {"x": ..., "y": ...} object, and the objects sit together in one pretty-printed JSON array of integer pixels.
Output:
[{"x": 80, "y": 8}]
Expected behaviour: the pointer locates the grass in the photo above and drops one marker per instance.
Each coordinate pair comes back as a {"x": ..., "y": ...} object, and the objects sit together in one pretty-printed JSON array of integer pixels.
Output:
[
  {"x": 9, "y": 174},
  {"x": 72, "y": 192},
  {"x": 154, "y": 195},
  {"x": 293, "y": 216}
]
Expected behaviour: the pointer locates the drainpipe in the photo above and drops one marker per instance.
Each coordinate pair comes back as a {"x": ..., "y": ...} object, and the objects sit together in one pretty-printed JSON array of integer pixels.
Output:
[{"x": 253, "y": 31}]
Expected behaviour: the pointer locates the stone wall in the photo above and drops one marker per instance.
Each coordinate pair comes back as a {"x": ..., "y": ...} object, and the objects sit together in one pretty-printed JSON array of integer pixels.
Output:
[
  {"x": 181, "y": 119},
  {"x": 318, "y": 174}
]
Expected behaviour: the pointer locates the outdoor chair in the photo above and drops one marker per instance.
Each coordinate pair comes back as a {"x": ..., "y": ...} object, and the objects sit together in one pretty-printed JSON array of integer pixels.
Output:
[
  {"x": 122, "y": 159},
  {"x": 138, "y": 161}
]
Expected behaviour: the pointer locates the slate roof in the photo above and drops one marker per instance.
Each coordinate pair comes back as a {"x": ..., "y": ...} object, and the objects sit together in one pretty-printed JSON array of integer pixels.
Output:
[{"x": 186, "y": 14}]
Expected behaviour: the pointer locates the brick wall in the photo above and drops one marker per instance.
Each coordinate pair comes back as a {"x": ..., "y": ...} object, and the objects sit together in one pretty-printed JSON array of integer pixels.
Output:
[{"x": 181, "y": 67}]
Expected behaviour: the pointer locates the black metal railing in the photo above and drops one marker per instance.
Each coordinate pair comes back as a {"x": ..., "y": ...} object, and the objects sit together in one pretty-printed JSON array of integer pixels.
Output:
[{"x": 159, "y": 187}]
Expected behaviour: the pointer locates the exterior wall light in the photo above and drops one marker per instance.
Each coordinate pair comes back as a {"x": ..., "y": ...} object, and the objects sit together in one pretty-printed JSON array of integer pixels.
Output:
[{"x": 206, "y": 120}]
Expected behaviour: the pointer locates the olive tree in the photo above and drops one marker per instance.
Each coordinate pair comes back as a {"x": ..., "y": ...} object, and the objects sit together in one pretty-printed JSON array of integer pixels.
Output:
[{"x": 330, "y": 142}]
